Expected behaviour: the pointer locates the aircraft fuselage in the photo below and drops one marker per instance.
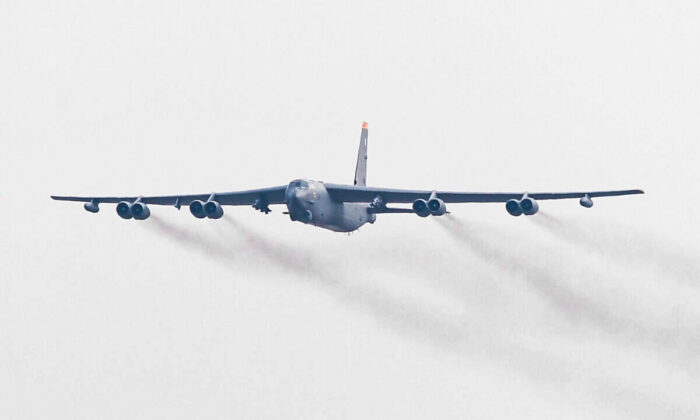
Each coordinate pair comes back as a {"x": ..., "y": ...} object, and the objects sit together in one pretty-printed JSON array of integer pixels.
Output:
[{"x": 309, "y": 202}]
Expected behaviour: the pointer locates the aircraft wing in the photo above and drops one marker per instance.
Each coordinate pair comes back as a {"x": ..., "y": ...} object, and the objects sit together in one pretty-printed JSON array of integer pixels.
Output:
[
  {"x": 271, "y": 195},
  {"x": 349, "y": 193}
]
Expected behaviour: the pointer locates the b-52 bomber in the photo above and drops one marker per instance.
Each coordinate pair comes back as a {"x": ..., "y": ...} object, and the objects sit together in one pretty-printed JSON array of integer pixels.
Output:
[{"x": 340, "y": 208}]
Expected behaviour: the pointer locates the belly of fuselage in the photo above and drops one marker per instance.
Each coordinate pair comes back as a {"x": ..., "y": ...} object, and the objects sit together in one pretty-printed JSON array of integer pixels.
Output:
[{"x": 344, "y": 217}]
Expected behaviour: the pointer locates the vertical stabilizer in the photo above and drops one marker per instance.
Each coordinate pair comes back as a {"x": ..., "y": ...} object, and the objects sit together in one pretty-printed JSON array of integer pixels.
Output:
[{"x": 361, "y": 168}]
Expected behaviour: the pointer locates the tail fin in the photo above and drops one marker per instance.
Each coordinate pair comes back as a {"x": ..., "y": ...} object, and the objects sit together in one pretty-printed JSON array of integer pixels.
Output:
[{"x": 361, "y": 168}]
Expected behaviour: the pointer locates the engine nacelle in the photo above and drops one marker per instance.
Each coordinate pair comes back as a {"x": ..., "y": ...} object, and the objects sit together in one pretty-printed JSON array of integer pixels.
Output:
[
  {"x": 513, "y": 207},
  {"x": 197, "y": 209},
  {"x": 437, "y": 207},
  {"x": 124, "y": 210},
  {"x": 140, "y": 211},
  {"x": 529, "y": 206},
  {"x": 420, "y": 207},
  {"x": 213, "y": 209}
]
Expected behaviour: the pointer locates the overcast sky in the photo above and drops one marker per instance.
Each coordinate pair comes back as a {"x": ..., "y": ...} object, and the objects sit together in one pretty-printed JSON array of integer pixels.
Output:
[{"x": 572, "y": 313}]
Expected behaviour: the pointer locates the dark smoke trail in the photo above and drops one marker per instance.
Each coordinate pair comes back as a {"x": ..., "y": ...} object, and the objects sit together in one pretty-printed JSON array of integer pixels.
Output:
[
  {"x": 286, "y": 257},
  {"x": 544, "y": 283},
  {"x": 625, "y": 244},
  {"x": 432, "y": 325},
  {"x": 577, "y": 305},
  {"x": 194, "y": 240}
]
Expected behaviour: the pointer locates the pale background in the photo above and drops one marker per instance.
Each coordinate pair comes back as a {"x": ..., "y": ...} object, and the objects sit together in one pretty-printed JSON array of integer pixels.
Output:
[{"x": 574, "y": 313}]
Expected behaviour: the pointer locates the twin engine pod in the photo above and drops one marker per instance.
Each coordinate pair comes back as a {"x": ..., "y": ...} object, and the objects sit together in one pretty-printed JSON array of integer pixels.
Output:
[
  {"x": 140, "y": 211},
  {"x": 433, "y": 206},
  {"x": 211, "y": 209},
  {"x": 136, "y": 210},
  {"x": 526, "y": 206}
]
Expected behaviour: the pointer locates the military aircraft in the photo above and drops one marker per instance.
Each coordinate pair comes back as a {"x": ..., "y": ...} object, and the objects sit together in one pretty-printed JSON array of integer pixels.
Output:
[{"x": 340, "y": 208}]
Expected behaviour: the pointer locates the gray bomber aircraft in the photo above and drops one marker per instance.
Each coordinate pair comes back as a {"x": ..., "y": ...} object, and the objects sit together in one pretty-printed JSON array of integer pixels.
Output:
[{"x": 340, "y": 208}]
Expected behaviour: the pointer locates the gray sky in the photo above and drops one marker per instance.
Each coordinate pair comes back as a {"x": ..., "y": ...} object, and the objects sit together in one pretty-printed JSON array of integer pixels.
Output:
[{"x": 574, "y": 313}]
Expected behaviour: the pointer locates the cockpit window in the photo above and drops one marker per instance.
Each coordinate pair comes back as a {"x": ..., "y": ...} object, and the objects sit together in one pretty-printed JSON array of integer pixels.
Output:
[{"x": 300, "y": 184}]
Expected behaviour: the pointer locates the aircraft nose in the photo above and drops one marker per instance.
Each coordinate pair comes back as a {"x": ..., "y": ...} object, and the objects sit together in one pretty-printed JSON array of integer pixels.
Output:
[{"x": 295, "y": 203}]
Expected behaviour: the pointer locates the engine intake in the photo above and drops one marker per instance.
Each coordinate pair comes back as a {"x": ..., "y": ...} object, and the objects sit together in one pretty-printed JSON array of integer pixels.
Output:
[
  {"x": 529, "y": 206},
  {"x": 513, "y": 207},
  {"x": 420, "y": 207},
  {"x": 213, "y": 209},
  {"x": 140, "y": 211},
  {"x": 526, "y": 206},
  {"x": 197, "y": 209},
  {"x": 437, "y": 207},
  {"x": 124, "y": 210}
]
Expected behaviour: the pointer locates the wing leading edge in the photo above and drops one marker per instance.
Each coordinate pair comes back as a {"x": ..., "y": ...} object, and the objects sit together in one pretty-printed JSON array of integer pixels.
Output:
[
  {"x": 357, "y": 194},
  {"x": 271, "y": 195}
]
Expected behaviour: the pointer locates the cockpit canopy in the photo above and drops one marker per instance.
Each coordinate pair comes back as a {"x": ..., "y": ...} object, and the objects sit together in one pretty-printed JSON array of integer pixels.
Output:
[{"x": 299, "y": 183}]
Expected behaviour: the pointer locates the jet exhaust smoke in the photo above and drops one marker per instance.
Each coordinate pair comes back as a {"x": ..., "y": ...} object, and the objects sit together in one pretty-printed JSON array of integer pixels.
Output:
[
  {"x": 285, "y": 257},
  {"x": 192, "y": 239},
  {"x": 626, "y": 244},
  {"x": 435, "y": 326},
  {"x": 474, "y": 333},
  {"x": 578, "y": 289}
]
